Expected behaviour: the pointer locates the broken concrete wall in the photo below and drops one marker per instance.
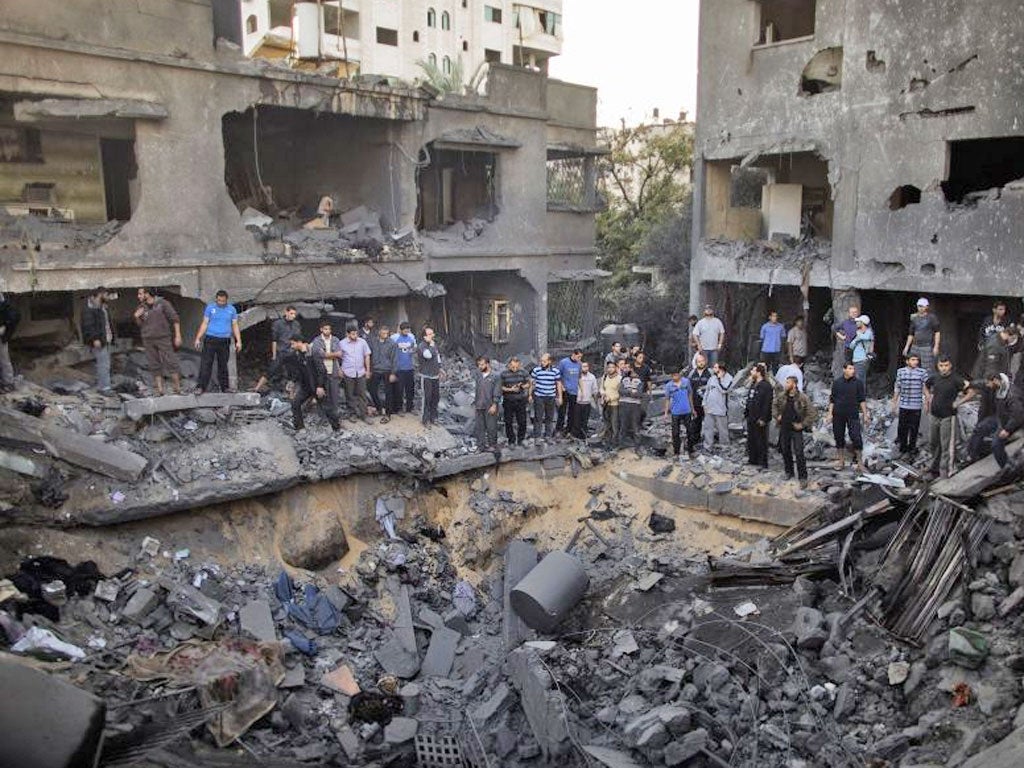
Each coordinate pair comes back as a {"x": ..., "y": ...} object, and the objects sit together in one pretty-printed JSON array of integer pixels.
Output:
[
  {"x": 914, "y": 77},
  {"x": 469, "y": 307}
]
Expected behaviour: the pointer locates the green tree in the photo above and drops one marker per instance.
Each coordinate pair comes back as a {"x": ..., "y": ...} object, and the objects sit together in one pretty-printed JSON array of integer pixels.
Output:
[{"x": 646, "y": 181}]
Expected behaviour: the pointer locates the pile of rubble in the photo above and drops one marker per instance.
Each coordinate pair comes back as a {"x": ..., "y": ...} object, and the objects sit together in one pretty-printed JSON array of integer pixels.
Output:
[{"x": 353, "y": 236}]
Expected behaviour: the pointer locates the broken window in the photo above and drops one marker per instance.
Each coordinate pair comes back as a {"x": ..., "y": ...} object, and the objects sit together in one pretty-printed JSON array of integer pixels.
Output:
[
  {"x": 982, "y": 164},
  {"x": 550, "y": 22},
  {"x": 572, "y": 312},
  {"x": 387, "y": 36},
  {"x": 745, "y": 186},
  {"x": 458, "y": 185},
  {"x": 446, "y": 20},
  {"x": 492, "y": 14},
  {"x": 20, "y": 145},
  {"x": 785, "y": 20},
  {"x": 823, "y": 73},
  {"x": 492, "y": 56},
  {"x": 496, "y": 320},
  {"x": 119, "y": 171},
  {"x": 903, "y": 196}
]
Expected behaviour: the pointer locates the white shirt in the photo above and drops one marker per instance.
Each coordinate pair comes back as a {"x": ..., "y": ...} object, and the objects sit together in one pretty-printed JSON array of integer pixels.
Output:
[{"x": 787, "y": 370}]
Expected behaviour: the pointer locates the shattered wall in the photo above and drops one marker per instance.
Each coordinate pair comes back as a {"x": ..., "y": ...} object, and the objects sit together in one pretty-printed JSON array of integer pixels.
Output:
[{"x": 914, "y": 76}]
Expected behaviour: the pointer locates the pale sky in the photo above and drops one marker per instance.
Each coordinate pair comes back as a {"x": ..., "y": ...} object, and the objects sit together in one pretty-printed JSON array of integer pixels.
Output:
[{"x": 640, "y": 54}]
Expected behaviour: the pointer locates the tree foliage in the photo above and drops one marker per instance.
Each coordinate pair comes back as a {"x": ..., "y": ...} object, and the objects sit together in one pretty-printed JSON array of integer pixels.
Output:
[{"x": 646, "y": 182}]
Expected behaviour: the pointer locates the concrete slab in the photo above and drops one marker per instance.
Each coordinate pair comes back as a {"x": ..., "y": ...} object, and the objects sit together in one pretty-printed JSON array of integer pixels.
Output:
[
  {"x": 440, "y": 653},
  {"x": 256, "y": 620},
  {"x": 396, "y": 660},
  {"x": 49, "y": 723},
  {"x": 611, "y": 758},
  {"x": 1008, "y": 753},
  {"x": 148, "y": 406},
  {"x": 976, "y": 477}
]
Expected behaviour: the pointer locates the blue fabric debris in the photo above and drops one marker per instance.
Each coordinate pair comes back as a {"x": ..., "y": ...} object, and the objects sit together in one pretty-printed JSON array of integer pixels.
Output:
[
  {"x": 301, "y": 643},
  {"x": 315, "y": 612}
]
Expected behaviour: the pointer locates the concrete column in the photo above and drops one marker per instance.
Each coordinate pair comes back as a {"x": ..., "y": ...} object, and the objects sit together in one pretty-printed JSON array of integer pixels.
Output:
[
  {"x": 538, "y": 280},
  {"x": 233, "y": 367}
]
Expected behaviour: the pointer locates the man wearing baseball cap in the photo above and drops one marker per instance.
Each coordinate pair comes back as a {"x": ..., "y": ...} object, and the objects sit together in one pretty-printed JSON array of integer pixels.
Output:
[{"x": 924, "y": 337}]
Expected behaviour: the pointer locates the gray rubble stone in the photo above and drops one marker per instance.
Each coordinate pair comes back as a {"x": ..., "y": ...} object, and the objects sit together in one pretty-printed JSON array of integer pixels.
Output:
[
  {"x": 808, "y": 627},
  {"x": 500, "y": 701},
  {"x": 678, "y": 752},
  {"x": 255, "y": 619},
  {"x": 983, "y": 606},
  {"x": 140, "y": 605},
  {"x": 1015, "y": 573},
  {"x": 400, "y": 730},
  {"x": 710, "y": 674},
  {"x": 440, "y": 653}
]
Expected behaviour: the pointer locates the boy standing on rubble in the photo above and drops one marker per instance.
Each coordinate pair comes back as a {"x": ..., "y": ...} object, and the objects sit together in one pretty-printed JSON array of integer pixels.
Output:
[
  {"x": 631, "y": 391},
  {"x": 609, "y": 399},
  {"x": 98, "y": 335},
  {"x": 679, "y": 405},
  {"x": 908, "y": 401},
  {"x": 405, "y": 366},
  {"x": 428, "y": 358}
]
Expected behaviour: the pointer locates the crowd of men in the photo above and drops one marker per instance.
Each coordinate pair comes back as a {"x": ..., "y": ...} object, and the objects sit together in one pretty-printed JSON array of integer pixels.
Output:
[{"x": 379, "y": 371}]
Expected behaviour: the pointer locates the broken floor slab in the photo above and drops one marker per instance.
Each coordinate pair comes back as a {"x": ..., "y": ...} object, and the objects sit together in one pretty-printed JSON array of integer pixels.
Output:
[{"x": 149, "y": 406}]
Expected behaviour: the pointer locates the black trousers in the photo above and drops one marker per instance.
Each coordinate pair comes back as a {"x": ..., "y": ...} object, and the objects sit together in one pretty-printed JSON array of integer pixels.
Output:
[
  {"x": 757, "y": 443},
  {"x": 543, "y": 416},
  {"x": 771, "y": 360},
  {"x": 384, "y": 403},
  {"x": 791, "y": 441},
  {"x": 694, "y": 428},
  {"x": 678, "y": 424},
  {"x": 406, "y": 390},
  {"x": 515, "y": 420},
  {"x": 301, "y": 396},
  {"x": 843, "y": 423},
  {"x": 566, "y": 414},
  {"x": 582, "y": 420},
  {"x": 214, "y": 349},
  {"x": 907, "y": 429},
  {"x": 486, "y": 429},
  {"x": 629, "y": 423},
  {"x": 431, "y": 397}
]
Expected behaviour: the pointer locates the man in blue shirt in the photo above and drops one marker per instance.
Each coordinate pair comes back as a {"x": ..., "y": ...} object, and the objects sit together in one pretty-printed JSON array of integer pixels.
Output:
[
  {"x": 405, "y": 367},
  {"x": 545, "y": 392},
  {"x": 773, "y": 333},
  {"x": 678, "y": 403},
  {"x": 570, "y": 368},
  {"x": 220, "y": 323}
]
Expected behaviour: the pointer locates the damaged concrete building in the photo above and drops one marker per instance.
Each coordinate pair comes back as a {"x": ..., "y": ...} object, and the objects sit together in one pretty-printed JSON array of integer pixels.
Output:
[
  {"x": 140, "y": 146},
  {"x": 869, "y": 152}
]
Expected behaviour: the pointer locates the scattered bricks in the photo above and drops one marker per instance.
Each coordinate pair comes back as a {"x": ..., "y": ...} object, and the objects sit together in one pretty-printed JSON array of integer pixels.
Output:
[
  {"x": 676, "y": 719},
  {"x": 654, "y": 736},
  {"x": 256, "y": 621},
  {"x": 441, "y": 653},
  {"x": 184, "y": 598},
  {"x": 1012, "y": 602},
  {"x": 808, "y": 627},
  {"x": 500, "y": 701},
  {"x": 140, "y": 605},
  {"x": 711, "y": 675},
  {"x": 983, "y": 606},
  {"x": 898, "y": 672},
  {"x": 845, "y": 704},
  {"x": 107, "y": 591},
  {"x": 678, "y": 752},
  {"x": 401, "y": 730}
]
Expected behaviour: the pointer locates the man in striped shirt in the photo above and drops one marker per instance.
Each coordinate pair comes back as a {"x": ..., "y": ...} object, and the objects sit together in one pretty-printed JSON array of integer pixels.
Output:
[
  {"x": 908, "y": 397},
  {"x": 546, "y": 395}
]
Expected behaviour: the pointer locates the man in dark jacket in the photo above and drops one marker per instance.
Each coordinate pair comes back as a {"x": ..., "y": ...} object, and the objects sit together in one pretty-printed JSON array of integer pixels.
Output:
[
  {"x": 485, "y": 401},
  {"x": 758, "y": 412},
  {"x": 311, "y": 379},
  {"x": 1008, "y": 418},
  {"x": 8, "y": 322},
  {"x": 847, "y": 407},
  {"x": 515, "y": 388},
  {"x": 383, "y": 358},
  {"x": 98, "y": 335},
  {"x": 699, "y": 378},
  {"x": 794, "y": 413}
]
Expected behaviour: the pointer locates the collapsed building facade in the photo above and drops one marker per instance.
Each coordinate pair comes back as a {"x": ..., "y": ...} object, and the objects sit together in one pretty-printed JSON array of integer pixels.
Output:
[
  {"x": 142, "y": 148},
  {"x": 865, "y": 153}
]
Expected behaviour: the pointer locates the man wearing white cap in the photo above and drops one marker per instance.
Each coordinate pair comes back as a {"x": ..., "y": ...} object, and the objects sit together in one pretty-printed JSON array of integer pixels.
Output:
[
  {"x": 863, "y": 347},
  {"x": 924, "y": 336}
]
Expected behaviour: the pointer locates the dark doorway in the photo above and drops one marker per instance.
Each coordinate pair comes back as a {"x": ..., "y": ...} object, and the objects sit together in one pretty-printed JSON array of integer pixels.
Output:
[{"x": 118, "y": 158}]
